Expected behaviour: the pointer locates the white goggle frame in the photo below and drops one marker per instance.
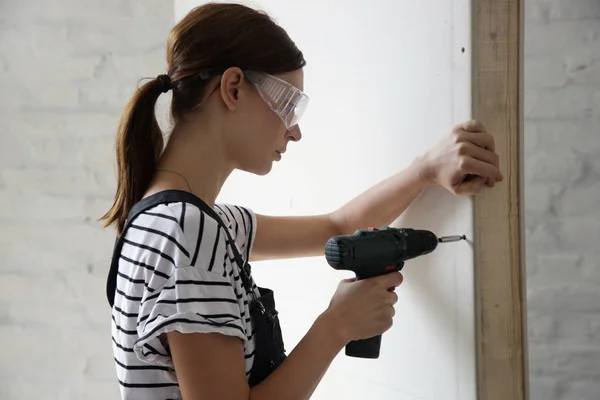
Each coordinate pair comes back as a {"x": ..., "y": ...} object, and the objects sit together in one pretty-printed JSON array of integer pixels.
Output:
[{"x": 286, "y": 100}]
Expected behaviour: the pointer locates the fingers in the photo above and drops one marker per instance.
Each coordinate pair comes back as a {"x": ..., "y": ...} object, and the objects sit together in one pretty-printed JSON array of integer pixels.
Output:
[
  {"x": 480, "y": 153},
  {"x": 479, "y": 138},
  {"x": 474, "y": 132},
  {"x": 476, "y": 143},
  {"x": 472, "y": 126},
  {"x": 391, "y": 312},
  {"x": 391, "y": 279},
  {"x": 471, "y": 187},
  {"x": 468, "y": 149},
  {"x": 391, "y": 298},
  {"x": 481, "y": 168}
]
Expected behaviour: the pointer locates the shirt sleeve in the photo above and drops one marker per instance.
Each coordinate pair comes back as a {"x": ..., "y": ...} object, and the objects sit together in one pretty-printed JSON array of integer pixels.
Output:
[
  {"x": 193, "y": 298},
  {"x": 242, "y": 225}
]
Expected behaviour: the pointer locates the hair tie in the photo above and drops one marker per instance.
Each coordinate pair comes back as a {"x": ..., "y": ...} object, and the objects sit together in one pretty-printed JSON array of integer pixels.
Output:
[{"x": 165, "y": 82}]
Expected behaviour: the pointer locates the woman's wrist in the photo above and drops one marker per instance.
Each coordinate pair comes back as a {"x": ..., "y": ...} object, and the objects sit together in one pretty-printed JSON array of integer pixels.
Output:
[
  {"x": 423, "y": 172},
  {"x": 329, "y": 326}
]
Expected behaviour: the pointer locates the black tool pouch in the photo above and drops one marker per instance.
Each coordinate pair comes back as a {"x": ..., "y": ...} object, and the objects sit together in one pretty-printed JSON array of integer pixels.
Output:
[{"x": 269, "y": 351}]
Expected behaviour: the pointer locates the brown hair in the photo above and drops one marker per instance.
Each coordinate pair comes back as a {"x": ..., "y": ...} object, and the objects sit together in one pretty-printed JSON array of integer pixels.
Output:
[{"x": 210, "y": 39}]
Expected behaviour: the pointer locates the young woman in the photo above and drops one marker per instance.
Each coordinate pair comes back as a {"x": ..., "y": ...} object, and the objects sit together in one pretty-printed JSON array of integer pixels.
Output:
[{"x": 188, "y": 321}]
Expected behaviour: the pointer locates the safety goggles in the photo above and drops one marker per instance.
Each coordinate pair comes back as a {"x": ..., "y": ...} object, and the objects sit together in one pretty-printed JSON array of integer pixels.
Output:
[{"x": 286, "y": 100}]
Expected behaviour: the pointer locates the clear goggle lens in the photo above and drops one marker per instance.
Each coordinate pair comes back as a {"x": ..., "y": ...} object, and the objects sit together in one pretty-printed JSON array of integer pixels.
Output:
[{"x": 287, "y": 101}]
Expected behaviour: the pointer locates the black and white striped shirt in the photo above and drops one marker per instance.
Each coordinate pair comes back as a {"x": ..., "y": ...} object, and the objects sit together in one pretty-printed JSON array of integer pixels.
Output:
[{"x": 176, "y": 272}]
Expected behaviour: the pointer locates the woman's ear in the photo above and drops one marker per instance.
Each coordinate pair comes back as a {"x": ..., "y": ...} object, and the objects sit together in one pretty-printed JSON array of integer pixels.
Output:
[{"x": 231, "y": 83}]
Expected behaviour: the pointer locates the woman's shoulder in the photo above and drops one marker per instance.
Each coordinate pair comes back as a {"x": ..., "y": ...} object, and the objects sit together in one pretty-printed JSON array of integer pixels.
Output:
[
  {"x": 241, "y": 222},
  {"x": 190, "y": 234}
]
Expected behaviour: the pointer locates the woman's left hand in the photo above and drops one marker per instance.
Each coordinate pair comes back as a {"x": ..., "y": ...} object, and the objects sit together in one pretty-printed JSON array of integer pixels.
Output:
[{"x": 462, "y": 161}]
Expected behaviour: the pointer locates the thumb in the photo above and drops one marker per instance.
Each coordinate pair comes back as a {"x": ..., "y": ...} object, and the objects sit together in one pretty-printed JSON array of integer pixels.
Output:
[{"x": 470, "y": 186}]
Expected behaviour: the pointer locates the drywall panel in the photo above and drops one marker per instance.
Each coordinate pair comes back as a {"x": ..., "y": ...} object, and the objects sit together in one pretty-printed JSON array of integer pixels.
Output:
[{"x": 385, "y": 81}]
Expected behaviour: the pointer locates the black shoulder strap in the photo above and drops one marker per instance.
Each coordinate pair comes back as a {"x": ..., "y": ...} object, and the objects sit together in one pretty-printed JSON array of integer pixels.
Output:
[{"x": 165, "y": 197}]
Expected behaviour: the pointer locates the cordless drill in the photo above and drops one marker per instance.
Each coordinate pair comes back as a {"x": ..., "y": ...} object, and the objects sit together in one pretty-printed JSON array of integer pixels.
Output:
[{"x": 373, "y": 252}]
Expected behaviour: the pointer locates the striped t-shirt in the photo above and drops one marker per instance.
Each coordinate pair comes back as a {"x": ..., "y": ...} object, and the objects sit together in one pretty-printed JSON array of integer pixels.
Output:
[{"x": 177, "y": 272}]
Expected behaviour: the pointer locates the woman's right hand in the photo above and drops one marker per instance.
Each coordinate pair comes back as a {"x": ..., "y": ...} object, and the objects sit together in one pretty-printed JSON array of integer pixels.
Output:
[{"x": 364, "y": 308}]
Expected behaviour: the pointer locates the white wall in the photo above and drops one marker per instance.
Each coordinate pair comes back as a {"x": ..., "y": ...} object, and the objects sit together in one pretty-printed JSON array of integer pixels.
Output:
[{"x": 385, "y": 80}]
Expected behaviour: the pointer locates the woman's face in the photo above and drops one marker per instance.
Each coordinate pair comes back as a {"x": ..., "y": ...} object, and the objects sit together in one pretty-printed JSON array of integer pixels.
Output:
[{"x": 258, "y": 137}]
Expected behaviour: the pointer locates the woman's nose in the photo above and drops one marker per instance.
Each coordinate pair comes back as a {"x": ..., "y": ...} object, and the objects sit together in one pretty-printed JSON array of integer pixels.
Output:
[{"x": 295, "y": 133}]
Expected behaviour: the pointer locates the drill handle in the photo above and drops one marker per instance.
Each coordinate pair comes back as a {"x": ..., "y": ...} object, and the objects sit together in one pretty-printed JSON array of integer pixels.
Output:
[
  {"x": 364, "y": 348},
  {"x": 369, "y": 348},
  {"x": 371, "y": 272}
]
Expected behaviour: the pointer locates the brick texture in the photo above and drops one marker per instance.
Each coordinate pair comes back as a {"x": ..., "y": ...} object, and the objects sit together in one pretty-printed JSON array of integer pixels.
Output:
[
  {"x": 67, "y": 67},
  {"x": 562, "y": 194}
]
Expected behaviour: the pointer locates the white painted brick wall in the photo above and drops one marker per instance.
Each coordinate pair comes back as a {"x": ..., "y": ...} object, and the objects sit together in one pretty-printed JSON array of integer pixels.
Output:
[
  {"x": 67, "y": 67},
  {"x": 562, "y": 197}
]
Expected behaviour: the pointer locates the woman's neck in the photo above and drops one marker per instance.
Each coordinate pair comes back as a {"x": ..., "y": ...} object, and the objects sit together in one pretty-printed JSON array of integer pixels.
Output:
[{"x": 197, "y": 152}]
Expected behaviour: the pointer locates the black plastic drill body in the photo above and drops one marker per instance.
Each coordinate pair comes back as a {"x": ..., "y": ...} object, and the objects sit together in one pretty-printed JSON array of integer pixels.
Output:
[{"x": 374, "y": 252}]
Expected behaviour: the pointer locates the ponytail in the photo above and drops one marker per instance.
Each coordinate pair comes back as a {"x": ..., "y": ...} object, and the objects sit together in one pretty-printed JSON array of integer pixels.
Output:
[{"x": 139, "y": 145}]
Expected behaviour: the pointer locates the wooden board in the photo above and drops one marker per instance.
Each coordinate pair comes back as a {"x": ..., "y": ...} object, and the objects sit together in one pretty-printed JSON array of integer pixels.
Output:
[{"x": 499, "y": 258}]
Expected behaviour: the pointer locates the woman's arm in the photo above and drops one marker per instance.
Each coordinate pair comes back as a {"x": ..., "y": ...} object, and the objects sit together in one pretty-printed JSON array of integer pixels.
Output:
[
  {"x": 212, "y": 366},
  {"x": 290, "y": 237},
  {"x": 300, "y": 374},
  {"x": 467, "y": 152}
]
